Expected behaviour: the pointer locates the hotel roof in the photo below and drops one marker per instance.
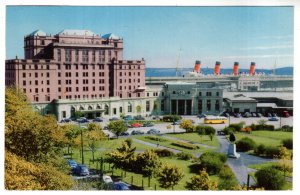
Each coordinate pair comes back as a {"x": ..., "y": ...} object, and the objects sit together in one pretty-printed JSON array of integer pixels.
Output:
[
  {"x": 77, "y": 32},
  {"x": 110, "y": 36},
  {"x": 37, "y": 33}
]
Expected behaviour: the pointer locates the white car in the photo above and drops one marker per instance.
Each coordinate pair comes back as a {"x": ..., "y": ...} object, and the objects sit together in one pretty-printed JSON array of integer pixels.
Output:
[{"x": 107, "y": 179}]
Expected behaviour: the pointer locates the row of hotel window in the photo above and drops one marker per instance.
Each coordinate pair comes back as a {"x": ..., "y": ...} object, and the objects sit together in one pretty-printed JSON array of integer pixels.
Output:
[
  {"x": 85, "y": 55},
  {"x": 47, "y": 97},
  {"x": 208, "y": 105},
  {"x": 208, "y": 94},
  {"x": 67, "y": 82}
]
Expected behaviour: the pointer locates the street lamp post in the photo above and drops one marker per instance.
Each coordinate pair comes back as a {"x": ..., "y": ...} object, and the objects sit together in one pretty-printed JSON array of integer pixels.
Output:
[
  {"x": 81, "y": 140},
  {"x": 174, "y": 124}
]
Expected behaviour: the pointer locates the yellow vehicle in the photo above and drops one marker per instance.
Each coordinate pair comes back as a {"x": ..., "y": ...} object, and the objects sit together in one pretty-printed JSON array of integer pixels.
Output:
[{"x": 215, "y": 120}]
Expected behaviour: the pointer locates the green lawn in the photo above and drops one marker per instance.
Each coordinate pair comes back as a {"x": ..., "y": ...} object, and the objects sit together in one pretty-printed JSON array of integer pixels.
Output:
[
  {"x": 195, "y": 137},
  {"x": 268, "y": 138},
  {"x": 168, "y": 143}
]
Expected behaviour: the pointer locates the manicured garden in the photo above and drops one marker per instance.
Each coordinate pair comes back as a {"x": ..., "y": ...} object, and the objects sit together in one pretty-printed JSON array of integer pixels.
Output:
[{"x": 195, "y": 137}]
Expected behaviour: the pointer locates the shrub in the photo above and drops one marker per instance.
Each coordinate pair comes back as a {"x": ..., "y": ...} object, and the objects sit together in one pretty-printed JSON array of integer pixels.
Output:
[
  {"x": 284, "y": 167},
  {"x": 260, "y": 150},
  {"x": 288, "y": 143},
  {"x": 245, "y": 144},
  {"x": 156, "y": 138},
  {"x": 227, "y": 179},
  {"x": 287, "y": 128},
  {"x": 270, "y": 179},
  {"x": 171, "y": 118},
  {"x": 272, "y": 151},
  {"x": 185, "y": 145},
  {"x": 207, "y": 130},
  {"x": 212, "y": 162},
  {"x": 184, "y": 156},
  {"x": 265, "y": 127},
  {"x": 164, "y": 152},
  {"x": 236, "y": 126},
  {"x": 228, "y": 130}
]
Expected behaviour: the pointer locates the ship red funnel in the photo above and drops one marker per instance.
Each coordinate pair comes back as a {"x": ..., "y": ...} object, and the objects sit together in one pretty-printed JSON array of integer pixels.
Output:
[
  {"x": 217, "y": 68},
  {"x": 236, "y": 68},
  {"x": 252, "y": 68},
  {"x": 197, "y": 66}
]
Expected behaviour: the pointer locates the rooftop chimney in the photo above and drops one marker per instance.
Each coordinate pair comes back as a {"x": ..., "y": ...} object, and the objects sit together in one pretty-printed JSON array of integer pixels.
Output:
[
  {"x": 197, "y": 66},
  {"x": 252, "y": 68},
  {"x": 217, "y": 68},
  {"x": 236, "y": 68}
]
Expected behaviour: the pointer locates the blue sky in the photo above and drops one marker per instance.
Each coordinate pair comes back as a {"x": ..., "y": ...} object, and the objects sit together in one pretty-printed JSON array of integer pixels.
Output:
[{"x": 159, "y": 34}]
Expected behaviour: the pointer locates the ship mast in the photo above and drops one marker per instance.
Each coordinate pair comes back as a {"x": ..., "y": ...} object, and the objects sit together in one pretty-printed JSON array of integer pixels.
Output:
[{"x": 177, "y": 65}]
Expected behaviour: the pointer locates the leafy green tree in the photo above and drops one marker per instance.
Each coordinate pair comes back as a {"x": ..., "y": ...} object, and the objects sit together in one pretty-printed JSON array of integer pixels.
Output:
[
  {"x": 227, "y": 179},
  {"x": 200, "y": 130},
  {"x": 122, "y": 156},
  {"x": 201, "y": 182},
  {"x": 94, "y": 135},
  {"x": 169, "y": 176},
  {"x": 71, "y": 132},
  {"x": 117, "y": 127},
  {"x": 23, "y": 175},
  {"x": 187, "y": 125},
  {"x": 147, "y": 162},
  {"x": 78, "y": 114},
  {"x": 270, "y": 178}
]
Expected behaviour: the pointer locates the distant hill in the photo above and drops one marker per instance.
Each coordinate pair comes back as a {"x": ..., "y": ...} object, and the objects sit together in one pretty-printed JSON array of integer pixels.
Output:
[{"x": 169, "y": 72}]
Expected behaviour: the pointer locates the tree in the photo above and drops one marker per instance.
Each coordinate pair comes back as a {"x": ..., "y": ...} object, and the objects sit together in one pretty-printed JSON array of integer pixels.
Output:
[
  {"x": 201, "y": 182},
  {"x": 122, "y": 156},
  {"x": 94, "y": 134},
  {"x": 227, "y": 179},
  {"x": 270, "y": 178},
  {"x": 262, "y": 122},
  {"x": 78, "y": 114},
  {"x": 155, "y": 108},
  {"x": 147, "y": 162},
  {"x": 187, "y": 125},
  {"x": 70, "y": 132},
  {"x": 23, "y": 175},
  {"x": 285, "y": 159},
  {"x": 117, "y": 127},
  {"x": 200, "y": 130},
  {"x": 169, "y": 176}
]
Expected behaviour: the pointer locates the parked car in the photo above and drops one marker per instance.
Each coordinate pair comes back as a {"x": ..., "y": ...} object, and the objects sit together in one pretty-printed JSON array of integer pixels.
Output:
[
  {"x": 66, "y": 120},
  {"x": 259, "y": 114},
  {"x": 137, "y": 132},
  {"x": 254, "y": 114},
  {"x": 247, "y": 115},
  {"x": 124, "y": 133},
  {"x": 82, "y": 120},
  {"x": 136, "y": 125},
  {"x": 273, "y": 119},
  {"x": 114, "y": 119},
  {"x": 201, "y": 115},
  {"x": 285, "y": 114},
  {"x": 81, "y": 170},
  {"x": 72, "y": 164},
  {"x": 148, "y": 124},
  {"x": 128, "y": 118},
  {"x": 120, "y": 186},
  {"x": 107, "y": 179},
  {"x": 98, "y": 119},
  {"x": 139, "y": 117},
  {"x": 237, "y": 115},
  {"x": 153, "y": 131},
  {"x": 176, "y": 123}
]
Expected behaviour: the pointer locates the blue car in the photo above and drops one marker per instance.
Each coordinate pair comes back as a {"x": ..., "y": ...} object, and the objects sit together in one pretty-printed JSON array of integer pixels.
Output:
[
  {"x": 81, "y": 170},
  {"x": 273, "y": 119},
  {"x": 72, "y": 164},
  {"x": 82, "y": 120},
  {"x": 120, "y": 186},
  {"x": 98, "y": 119}
]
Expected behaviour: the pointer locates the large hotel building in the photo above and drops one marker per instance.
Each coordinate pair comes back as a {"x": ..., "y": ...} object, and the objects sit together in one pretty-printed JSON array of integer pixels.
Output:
[{"x": 77, "y": 68}]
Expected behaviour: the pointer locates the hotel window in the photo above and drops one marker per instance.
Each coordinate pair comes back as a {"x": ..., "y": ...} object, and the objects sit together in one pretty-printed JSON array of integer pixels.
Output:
[
  {"x": 174, "y": 92},
  {"x": 139, "y": 73},
  {"x": 23, "y": 67},
  {"x": 208, "y": 93},
  {"x": 85, "y": 55},
  {"x": 199, "y": 106},
  {"x": 36, "y": 99},
  {"x": 48, "y": 90},
  {"x": 200, "y": 94},
  {"x": 129, "y": 73},
  {"x": 109, "y": 55},
  {"x": 58, "y": 67},
  {"x": 36, "y": 75},
  {"x": 24, "y": 83},
  {"x": 48, "y": 67},
  {"x": 162, "y": 105},
  {"x": 93, "y": 57},
  {"x": 59, "y": 82},
  {"x": 42, "y": 42},
  {"x": 68, "y": 55},
  {"x": 24, "y": 75},
  {"x": 36, "y": 82},
  {"x": 147, "y": 94},
  {"x": 59, "y": 89},
  {"x": 36, "y": 90},
  {"x": 76, "y": 57},
  {"x": 129, "y": 107},
  {"x": 77, "y": 88},
  {"x": 217, "y": 105},
  {"x": 120, "y": 73},
  {"x": 48, "y": 74},
  {"x": 58, "y": 55},
  {"x": 48, "y": 82},
  {"x": 59, "y": 74},
  {"x": 147, "y": 106},
  {"x": 36, "y": 67},
  {"x": 217, "y": 93},
  {"x": 208, "y": 105},
  {"x": 139, "y": 95},
  {"x": 106, "y": 112}
]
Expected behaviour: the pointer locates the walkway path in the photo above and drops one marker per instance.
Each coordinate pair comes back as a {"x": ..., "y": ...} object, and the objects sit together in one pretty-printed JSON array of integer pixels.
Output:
[{"x": 240, "y": 166}]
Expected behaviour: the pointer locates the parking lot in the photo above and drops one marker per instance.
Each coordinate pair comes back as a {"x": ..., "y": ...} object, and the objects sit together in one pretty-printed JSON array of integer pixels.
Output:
[{"x": 162, "y": 127}]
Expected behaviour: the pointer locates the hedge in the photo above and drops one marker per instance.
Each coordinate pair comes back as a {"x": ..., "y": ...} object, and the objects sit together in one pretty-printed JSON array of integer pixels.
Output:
[
  {"x": 245, "y": 144},
  {"x": 171, "y": 118},
  {"x": 164, "y": 152},
  {"x": 267, "y": 151},
  {"x": 156, "y": 138},
  {"x": 288, "y": 143},
  {"x": 184, "y": 156},
  {"x": 185, "y": 145},
  {"x": 207, "y": 129},
  {"x": 228, "y": 130},
  {"x": 213, "y": 162},
  {"x": 270, "y": 179}
]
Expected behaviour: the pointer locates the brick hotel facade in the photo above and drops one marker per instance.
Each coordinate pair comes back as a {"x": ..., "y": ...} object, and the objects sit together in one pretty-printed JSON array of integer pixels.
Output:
[{"x": 78, "y": 67}]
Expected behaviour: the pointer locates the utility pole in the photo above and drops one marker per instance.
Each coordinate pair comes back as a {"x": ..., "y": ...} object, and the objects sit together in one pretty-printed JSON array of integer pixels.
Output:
[{"x": 177, "y": 65}]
